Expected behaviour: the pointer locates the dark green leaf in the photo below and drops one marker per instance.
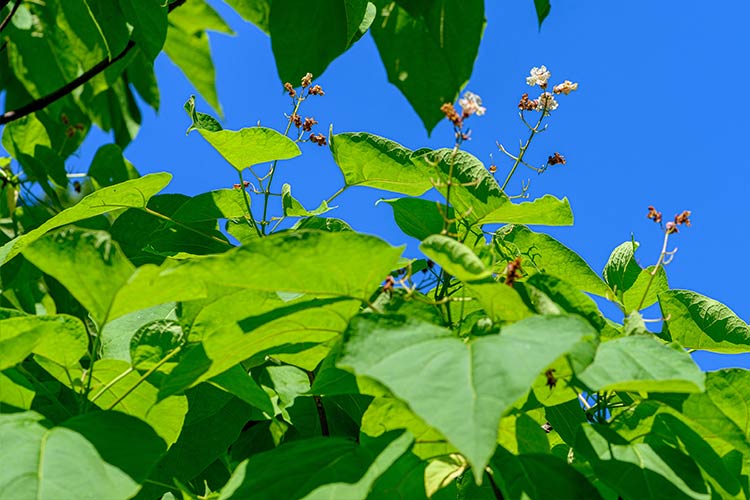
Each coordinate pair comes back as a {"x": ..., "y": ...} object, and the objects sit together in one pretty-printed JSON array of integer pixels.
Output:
[
  {"x": 542, "y": 10},
  {"x": 153, "y": 341},
  {"x": 109, "y": 167},
  {"x": 429, "y": 56},
  {"x": 308, "y": 40},
  {"x": 149, "y": 21}
]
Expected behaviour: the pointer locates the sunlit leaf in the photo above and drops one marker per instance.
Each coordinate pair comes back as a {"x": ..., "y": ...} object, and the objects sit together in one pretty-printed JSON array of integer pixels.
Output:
[{"x": 455, "y": 257}]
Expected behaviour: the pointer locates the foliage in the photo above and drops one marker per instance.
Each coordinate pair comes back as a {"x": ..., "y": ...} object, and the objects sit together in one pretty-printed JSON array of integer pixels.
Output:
[{"x": 236, "y": 344}]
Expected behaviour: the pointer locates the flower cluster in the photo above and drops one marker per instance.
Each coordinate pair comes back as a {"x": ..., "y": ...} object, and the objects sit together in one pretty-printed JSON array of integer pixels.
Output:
[
  {"x": 680, "y": 219},
  {"x": 471, "y": 104},
  {"x": 556, "y": 159},
  {"x": 546, "y": 101},
  {"x": 306, "y": 125}
]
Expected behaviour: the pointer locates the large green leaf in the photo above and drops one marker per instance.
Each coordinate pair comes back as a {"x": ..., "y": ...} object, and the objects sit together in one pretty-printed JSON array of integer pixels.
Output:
[
  {"x": 149, "y": 21},
  {"x": 49, "y": 464},
  {"x": 458, "y": 388},
  {"x": 642, "y": 363},
  {"x": 109, "y": 167},
  {"x": 60, "y": 338},
  {"x": 134, "y": 193},
  {"x": 251, "y": 146},
  {"x": 545, "y": 211},
  {"x": 316, "y": 263},
  {"x": 543, "y": 253},
  {"x": 372, "y": 161},
  {"x": 429, "y": 50},
  {"x": 316, "y": 468},
  {"x": 88, "y": 263},
  {"x": 474, "y": 193},
  {"x": 308, "y": 40},
  {"x": 293, "y": 208},
  {"x": 640, "y": 471},
  {"x": 633, "y": 287},
  {"x": 697, "y": 322},
  {"x": 455, "y": 257}
]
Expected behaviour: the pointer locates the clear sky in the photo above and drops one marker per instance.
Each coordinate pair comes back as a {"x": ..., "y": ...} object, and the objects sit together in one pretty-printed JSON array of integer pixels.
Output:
[{"x": 658, "y": 120}]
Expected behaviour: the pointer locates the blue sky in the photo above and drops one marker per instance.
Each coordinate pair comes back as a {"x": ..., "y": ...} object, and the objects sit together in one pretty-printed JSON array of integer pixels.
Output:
[{"x": 658, "y": 120}]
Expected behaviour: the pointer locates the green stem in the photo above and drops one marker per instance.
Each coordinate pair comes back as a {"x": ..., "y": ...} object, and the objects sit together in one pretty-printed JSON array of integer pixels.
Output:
[
  {"x": 249, "y": 219},
  {"x": 523, "y": 149},
  {"x": 166, "y": 358},
  {"x": 267, "y": 191},
  {"x": 652, "y": 274},
  {"x": 111, "y": 383},
  {"x": 336, "y": 194}
]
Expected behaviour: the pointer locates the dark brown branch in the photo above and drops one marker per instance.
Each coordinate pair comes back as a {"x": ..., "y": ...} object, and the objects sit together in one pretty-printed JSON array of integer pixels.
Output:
[
  {"x": 9, "y": 16},
  {"x": 66, "y": 89}
]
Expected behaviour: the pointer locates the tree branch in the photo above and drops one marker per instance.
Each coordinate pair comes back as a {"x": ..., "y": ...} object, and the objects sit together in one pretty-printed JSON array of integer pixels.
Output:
[
  {"x": 9, "y": 16},
  {"x": 66, "y": 89}
]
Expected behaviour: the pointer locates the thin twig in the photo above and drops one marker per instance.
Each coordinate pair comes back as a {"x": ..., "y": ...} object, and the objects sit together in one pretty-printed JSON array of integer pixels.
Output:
[{"x": 44, "y": 101}]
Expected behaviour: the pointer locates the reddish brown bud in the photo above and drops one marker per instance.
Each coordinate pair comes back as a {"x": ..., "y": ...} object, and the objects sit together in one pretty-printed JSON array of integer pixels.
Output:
[
  {"x": 654, "y": 215},
  {"x": 513, "y": 271},
  {"x": 288, "y": 87},
  {"x": 493, "y": 169},
  {"x": 556, "y": 159},
  {"x": 318, "y": 139},
  {"x": 308, "y": 125},
  {"x": 526, "y": 104},
  {"x": 451, "y": 114},
  {"x": 296, "y": 120},
  {"x": 683, "y": 218},
  {"x": 316, "y": 90}
]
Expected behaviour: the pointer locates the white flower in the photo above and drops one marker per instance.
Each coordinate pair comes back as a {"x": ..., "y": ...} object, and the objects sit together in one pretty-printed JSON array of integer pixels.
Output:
[
  {"x": 546, "y": 103},
  {"x": 565, "y": 87},
  {"x": 538, "y": 76},
  {"x": 471, "y": 104}
]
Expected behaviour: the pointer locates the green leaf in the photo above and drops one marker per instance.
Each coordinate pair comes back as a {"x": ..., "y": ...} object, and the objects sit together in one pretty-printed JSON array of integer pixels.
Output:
[
  {"x": 638, "y": 470},
  {"x": 134, "y": 193},
  {"x": 238, "y": 382},
  {"x": 140, "y": 72},
  {"x": 87, "y": 263},
  {"x": 632, "y": 297},
  {"x": 196, "y": 16},
  {"x": 542, "y": 10},
  {"x": 116, "y": 334},
  {"x": 15, "y": 391},
  {"x": 698, "y": 322},
  {"x": 474, "y": 192},
  {"x": 293, "y": 208},
  {"x": 123, "y": 441},
  {"x": 328, "y": 224},
  {"x": 255, "y": 11},
  {"x": 153, "y": 341},
  {"x": 149, "y": 21},
  {"x": 251, "y": 146},
  {"x": 642, "y": 363},
  {"x": 60, "y": 338},
  {"x": 190, "y": 51},
  {"x": 316, "y": 263},
  {"x": 109, "y": 167},
  {"x": 539, "y": 476},
  {"x": 420, "y": 218},
  {"x": 308, "y": 40},
  {"x": 165, "y": 416},
  {"x": 210, "y": 206},
  {"x": 622, "y": 271},
  {"x": 459, "y": 388},
  {"x": 55, "y": 463},
  {"x": 545, "y": 211},
  {"x": 200, "y": 121},
  {"x": 324, "y": 467},
  {"x": 501, "y": 302},
  {"x": 455, "y": 257},
  {"x": 429, "y": 54},
  {"x": 372, "y": 161},
  {"x": 543, "y": 253}
]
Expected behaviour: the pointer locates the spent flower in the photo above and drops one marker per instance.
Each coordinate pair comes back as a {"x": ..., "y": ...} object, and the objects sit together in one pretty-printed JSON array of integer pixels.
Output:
[
  {"x": 538, "y": 76},
  {"x": 556, "y": 159},
  {"x": 316, "y": 90},
  {"x": 654, "y": 214},
  {"x": 526, "y": 104},
  {"x": 307, "y": 80},
  {"x": 318, "y": 139},
  {"x": 288, "y": 87},
  {"x": 451, "y": 114}
]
